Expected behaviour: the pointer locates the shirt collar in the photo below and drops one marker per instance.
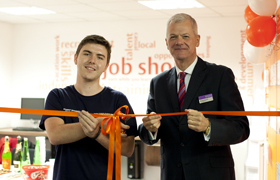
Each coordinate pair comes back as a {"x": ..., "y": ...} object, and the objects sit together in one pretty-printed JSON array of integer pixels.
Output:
[{"x": 189, "y": 70}]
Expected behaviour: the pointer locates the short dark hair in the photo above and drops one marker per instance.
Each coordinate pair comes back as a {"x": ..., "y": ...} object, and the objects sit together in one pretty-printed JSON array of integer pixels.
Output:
[{"x": 95, "y": 39}]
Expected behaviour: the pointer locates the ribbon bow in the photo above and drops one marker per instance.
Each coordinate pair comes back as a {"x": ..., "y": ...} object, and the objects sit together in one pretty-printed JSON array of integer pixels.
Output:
[{"x": 114, "y": 127}]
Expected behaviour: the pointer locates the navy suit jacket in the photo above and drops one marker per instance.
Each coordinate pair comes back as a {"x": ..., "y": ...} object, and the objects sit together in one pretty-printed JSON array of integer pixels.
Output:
[{"x": 184, "y": 152}]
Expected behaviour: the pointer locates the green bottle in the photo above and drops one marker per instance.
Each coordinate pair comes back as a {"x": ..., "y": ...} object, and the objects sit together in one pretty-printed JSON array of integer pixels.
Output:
[
  {"x": 6, "y": 155},
  {"x": 37, "y": 153},
  {"x": 25, "y": 160},
  {"x": 18, "y": 156}
]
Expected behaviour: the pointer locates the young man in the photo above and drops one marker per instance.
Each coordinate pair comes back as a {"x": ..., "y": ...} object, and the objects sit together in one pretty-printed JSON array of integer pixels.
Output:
[
  {"x": 81, "y": 150},
  {"x": 193, "y": 146}
]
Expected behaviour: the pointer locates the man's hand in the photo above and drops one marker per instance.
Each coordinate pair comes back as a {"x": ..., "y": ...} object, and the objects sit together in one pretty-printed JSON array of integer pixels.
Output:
[
  {"x": 196, "y": 120},
  {"x": 90, "y": 124},
  {"x": 124, "y": 127},
  {"x": 152, "y": 123}
]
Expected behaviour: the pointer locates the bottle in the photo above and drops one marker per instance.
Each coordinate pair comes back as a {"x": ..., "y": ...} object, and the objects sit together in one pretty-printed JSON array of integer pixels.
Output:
[
  {"x": 25, "y": 160},
  {"x": 18, "y": 156},
  {"x": 37, "y": 153},
  {"x": 6, "y": 155}
]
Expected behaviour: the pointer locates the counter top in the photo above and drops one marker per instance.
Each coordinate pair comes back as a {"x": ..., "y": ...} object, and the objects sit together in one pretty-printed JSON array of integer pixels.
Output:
[{"x": 11, "y": 132}]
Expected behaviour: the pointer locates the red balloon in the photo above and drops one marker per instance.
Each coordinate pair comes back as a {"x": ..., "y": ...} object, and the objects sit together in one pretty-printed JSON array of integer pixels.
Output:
[
  {"x": 261, "y": 31},
  {"x": 249, "y": 14}
]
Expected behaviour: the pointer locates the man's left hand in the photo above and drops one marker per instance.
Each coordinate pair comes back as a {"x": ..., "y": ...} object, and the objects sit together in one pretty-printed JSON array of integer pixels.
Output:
[{"x": 196, "y": 120}]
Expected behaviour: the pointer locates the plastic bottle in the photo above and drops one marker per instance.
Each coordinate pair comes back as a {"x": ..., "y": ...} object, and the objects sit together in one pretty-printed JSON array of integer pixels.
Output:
[
  {"x": 18, "y": 156},
  {"x": 37, "y": 153},
  {"x": 25, "y": 160},
  {"x": 6, "y": 155}
]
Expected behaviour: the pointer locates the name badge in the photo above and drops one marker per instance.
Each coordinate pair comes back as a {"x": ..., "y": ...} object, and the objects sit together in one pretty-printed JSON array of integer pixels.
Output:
[{"x": 205, "y": 98}]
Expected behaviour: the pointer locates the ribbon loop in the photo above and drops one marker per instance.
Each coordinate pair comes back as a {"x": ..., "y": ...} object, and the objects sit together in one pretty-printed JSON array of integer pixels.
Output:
[{"x": 113, "y": 128}]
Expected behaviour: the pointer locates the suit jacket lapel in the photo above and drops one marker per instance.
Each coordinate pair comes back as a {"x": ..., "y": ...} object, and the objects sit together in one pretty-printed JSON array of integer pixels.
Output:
[
  {"x": 197, "y": 77},
  {"x": 172, "y": 89}
]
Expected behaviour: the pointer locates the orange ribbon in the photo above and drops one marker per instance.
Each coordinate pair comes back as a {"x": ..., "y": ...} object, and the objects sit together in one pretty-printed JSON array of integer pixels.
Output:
[
  {"x": 224, "y": 113},
  {"x": 74, "y": 114},
  {"x": 113, "y": 126}
]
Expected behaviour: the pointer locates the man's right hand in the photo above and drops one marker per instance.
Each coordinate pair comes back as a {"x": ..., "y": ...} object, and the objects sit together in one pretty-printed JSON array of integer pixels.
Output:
[
  {"x": 90, "y": 124},
  {"x": 152, "y": 123}
]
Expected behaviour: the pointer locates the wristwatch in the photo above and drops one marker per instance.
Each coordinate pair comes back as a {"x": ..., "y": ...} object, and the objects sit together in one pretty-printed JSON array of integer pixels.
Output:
[
  {"x": 96, "y": 135},
  {"x": 207, "y": 129}
]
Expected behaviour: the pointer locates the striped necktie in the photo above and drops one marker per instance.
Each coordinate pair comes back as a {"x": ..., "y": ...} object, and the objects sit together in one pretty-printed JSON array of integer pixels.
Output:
[{"x": 182, "y": 89}]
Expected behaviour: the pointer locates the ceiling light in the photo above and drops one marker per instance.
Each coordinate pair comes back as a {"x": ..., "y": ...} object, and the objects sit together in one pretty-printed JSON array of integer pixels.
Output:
[
  {"x": 26, "y": 10},
  {"x": 171, "y": 4}
]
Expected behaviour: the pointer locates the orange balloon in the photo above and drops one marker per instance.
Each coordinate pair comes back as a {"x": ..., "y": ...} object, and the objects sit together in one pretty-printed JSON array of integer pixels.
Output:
[
  {"x": 249, "y": 14},
  {"x": 261, "y": 31}
]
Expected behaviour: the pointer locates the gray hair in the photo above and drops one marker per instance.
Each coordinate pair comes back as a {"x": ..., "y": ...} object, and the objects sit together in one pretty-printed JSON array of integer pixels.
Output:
[{"x": 181, "y": 17}]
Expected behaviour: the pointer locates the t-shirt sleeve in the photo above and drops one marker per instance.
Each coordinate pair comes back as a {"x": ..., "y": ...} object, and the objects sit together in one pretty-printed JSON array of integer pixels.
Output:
[{"x": 52, "y": 103}]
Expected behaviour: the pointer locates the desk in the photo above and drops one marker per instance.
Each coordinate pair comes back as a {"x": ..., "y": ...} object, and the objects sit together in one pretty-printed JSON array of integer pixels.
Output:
[
  {"x": 12, "y": 176},
  {"x": 10, "y": 132}
]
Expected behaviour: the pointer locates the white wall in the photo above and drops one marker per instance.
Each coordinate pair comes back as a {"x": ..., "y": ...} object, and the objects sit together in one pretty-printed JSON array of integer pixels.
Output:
[
  {"x": 35, "y": 51},
  {"x": 6, "y": 52}
]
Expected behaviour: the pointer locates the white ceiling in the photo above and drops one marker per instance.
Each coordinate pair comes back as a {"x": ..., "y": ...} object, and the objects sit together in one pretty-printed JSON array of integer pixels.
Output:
[{"x": 114, "y": 10}]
